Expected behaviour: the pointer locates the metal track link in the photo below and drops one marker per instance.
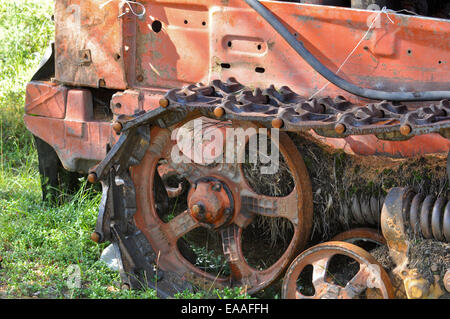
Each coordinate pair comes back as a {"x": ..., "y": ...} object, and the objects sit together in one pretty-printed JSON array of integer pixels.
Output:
[
  {"x": 289, "y": 111},
  {"x": 327, "y": 117}
]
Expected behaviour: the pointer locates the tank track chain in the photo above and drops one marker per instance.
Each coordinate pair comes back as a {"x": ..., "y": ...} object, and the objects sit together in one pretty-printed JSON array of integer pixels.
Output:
[
  {"x": 327, "y": 117},
  {"x": 138, "y": 265}
]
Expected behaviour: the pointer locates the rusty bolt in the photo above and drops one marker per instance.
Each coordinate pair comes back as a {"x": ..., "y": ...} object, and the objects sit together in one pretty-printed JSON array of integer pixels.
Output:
[
  {"x": 217, "y": 187},
  {"x": 164, "y": 103},
  {"x": 101, "y": 83},
  {"x": 219, "y": 112},
  {"x": 196, "y": 209},
  {"x": 447, "y": 280},
  {"x": 117, "y": 127},
  {"x": 340, "y": 128},
  {"x": 277, "y": 123},
  {"x": 405, "y": 129},
  {"x": 95, "y": 237},
  {"x": 140, "y": 78},
  {"x": 92, "y": 178}
]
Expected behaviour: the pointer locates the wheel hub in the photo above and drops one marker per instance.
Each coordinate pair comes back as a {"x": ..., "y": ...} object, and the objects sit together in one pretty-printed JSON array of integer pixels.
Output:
[
  {"x": 220, "y": 198},
  {"x": 210, "y": 202}
]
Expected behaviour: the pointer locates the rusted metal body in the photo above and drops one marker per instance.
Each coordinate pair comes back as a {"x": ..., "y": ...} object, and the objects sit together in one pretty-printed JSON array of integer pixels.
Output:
[
  {"x": 182, "y": 42},
  {"x": 64, "y": 118},
  {"x": 128, "y": 74}
]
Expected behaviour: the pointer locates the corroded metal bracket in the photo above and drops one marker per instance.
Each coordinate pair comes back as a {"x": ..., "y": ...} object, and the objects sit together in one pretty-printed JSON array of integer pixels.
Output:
[
  {"x": 394, "y": 215},
  {"x": 393, "y": 225}
]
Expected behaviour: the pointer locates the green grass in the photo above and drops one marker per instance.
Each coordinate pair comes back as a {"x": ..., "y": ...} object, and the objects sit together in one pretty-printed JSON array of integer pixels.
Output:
[{"x": 39, "y": 242}]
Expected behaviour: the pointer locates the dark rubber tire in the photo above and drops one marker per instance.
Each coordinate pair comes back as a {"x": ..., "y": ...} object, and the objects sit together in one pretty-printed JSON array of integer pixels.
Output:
[{"x": 55, "y": 180}]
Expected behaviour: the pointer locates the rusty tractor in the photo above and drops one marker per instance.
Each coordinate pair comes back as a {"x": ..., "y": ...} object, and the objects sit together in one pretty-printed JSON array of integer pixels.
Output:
[{"x": 352, "y": 96}]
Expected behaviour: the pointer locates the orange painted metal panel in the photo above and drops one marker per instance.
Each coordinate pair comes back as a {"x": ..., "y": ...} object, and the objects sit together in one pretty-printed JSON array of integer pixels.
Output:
[
  {"x": 178, "y": 53},
  {"x": 88, "y": 42},
  {"x": 45, "y": 99},
  {"x": 178, "y": 42},
  {"x": 371, "y": 145},
  {"x": 412, "y": 53},
  {"x": 79, "y": 145}
]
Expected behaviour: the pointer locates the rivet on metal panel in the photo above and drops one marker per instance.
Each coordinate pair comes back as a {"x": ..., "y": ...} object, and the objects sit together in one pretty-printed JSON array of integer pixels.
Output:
[
  {"x": 405, "y": 129},
  {"x": 117, "y": 127},
  {"x": 164, "y": 102}
]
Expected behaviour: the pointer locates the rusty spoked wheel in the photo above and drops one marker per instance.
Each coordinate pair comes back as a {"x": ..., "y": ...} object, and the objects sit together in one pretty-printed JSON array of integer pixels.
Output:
[
  {"x": 218, "y": 201},
  {"x": 361, "y": 235},
  {"x": 366, "y": 278}
]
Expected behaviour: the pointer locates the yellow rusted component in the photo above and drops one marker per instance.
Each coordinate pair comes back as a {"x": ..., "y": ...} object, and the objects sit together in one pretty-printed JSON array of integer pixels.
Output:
[
  {"x": 417, "y": 287},
  {"x": 436, "y": 290}
]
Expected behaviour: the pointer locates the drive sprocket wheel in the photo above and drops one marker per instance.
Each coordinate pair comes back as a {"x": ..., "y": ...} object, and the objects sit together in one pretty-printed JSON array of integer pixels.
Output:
[
  {"x": 367, "y": 280},
  {"x": 221, "y": 201}
]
